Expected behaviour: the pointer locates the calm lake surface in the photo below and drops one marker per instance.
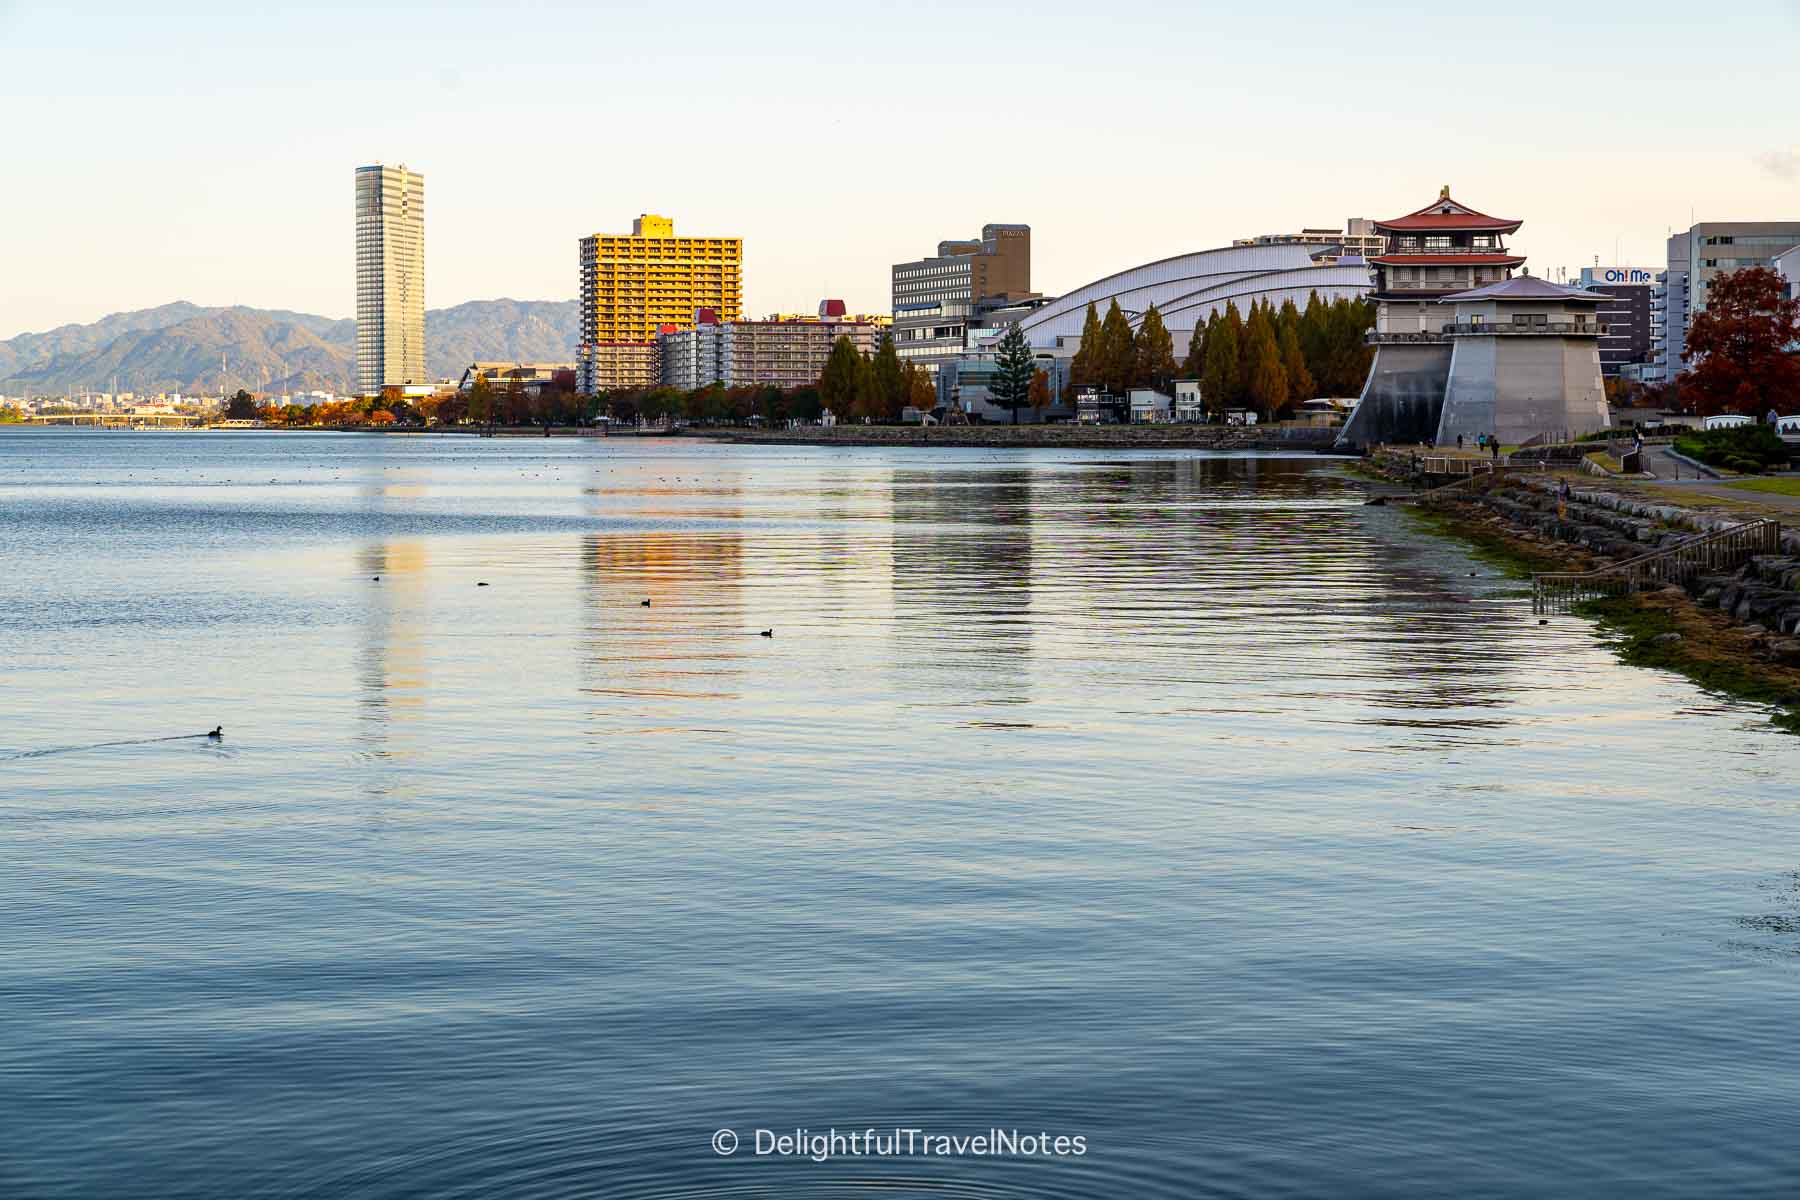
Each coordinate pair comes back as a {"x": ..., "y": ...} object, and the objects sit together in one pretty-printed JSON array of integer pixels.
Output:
[{"x": 1176, "y": 802}]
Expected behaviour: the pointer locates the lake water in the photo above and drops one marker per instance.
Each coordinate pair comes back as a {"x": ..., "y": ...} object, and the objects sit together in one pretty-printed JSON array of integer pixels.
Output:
[{"x": 1178, "y": 803}]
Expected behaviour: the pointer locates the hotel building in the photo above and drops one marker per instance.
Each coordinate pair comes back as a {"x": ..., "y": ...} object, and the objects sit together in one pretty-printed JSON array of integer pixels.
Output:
[
  {"x": 636, "y": 286},
  {"x": 390, "y": 278}
]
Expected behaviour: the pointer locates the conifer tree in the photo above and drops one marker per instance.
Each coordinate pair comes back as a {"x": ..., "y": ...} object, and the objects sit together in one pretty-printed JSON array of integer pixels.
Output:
[
  {"x": 1195, "y": 361},
  {"x": 1263, "y": 373},
  {"x": 1013, "y": 371},
  {"x": 1219, "y": 375},
  {"x": 889, "y": 380},
  {"x": 840, "y": 384},
  {"x": 1081, "y": 368},
  {"x": 1299, "y": 379},
  {"x": 1117, "y": 353},
  {"x": 1239, "y": 386},
  {"x": 1153, "y": 353}
]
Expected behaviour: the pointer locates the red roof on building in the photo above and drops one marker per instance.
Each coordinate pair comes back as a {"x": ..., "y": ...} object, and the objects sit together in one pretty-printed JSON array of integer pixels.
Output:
[
  {"x": 1444, "y": 213},
  {"x": 832, "y": 308},
  {"x": 1447, "y": 260}
]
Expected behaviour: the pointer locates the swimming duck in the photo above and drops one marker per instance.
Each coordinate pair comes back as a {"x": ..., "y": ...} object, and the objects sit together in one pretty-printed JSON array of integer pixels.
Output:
[{"x": 217, "y": 734}]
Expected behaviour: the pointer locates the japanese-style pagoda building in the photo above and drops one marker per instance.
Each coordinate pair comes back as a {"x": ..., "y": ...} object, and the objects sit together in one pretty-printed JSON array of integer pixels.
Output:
[{"x": 1462, "y": 347}]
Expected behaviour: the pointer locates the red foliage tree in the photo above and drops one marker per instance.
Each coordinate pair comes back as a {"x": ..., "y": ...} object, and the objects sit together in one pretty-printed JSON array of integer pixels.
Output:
[{"x": 1739, "y": 345}]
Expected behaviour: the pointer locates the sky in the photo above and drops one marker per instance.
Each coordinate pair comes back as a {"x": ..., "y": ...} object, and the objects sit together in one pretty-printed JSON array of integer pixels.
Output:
[{"x": 205, "y": 151}]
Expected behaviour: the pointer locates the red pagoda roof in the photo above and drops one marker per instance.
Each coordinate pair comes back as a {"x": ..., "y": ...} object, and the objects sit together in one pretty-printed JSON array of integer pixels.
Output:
[
  {"x": 1444, "y": 213},
  {"x": 1447, "y": 260}
]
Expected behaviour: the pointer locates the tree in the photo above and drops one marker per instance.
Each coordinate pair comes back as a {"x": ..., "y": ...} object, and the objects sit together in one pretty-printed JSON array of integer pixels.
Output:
[
  {"x": 1040, "y": 397},
  {"x": 241, "y": 407},
  {"x": 1196, "y": 351},
  {"x": 921, "y": 392},
  {"x": 1113, "y": 365},
  {"x": 1299, "y": 379},
  {"x": 1263, "y": 372},
  {"x": 839, "y": 383},
  {"x": 1014, "y": 368},
  {"x": 803, "y": 403},
  {"x": 1739, "y": 346},
  {"x": 481, "y": 401},
  {"x": 1153, "y": 353},
  {"x": 889, "y": 379},
  {"x": 1239, "y": 394},
  {"x": 1081, "y": 367},
  {"x": 1219, "y": 374}
]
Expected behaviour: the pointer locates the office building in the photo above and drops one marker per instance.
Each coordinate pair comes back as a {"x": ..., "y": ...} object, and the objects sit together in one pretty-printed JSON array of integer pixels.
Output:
[
  {"x": 1358, "y": 239},
  {"x": 1624, "y": 317},
  {"x": 1698, "y": 257},
  {"x": 938, "y": 300},
  {"x": 390, "y": 278},
  {"x": 779, "y": 352},
  {"x": 636, "y": 286}
]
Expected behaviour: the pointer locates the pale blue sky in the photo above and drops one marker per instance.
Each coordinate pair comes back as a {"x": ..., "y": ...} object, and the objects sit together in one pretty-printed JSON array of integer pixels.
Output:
[{"x": 205, "y": 151}]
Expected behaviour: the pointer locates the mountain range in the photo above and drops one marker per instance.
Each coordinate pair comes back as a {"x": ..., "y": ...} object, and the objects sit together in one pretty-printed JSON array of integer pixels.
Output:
[{"x": 179, "y": 347}]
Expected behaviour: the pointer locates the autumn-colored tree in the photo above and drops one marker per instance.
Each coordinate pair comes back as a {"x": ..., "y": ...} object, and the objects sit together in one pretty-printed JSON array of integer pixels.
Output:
[
  {"x": 1740, "y": 345},
  {"x": 921, "y": 392},
  {"x": 1264, "y": 375},
  {"x": 1040, "y": 397},
  {"x": 1116, "y": 360},
  {"x": 1195, "y": 362},
  {"x": 1153, "y": 353},
  {"x": 1081, "y": 368},
  {"x": 1219, "y": 375},
  {"x": 1299, "y": 379}
]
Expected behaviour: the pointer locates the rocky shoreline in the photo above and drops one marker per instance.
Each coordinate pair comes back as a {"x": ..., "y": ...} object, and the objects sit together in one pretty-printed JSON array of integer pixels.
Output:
[{"x": 1737, "y": 632}]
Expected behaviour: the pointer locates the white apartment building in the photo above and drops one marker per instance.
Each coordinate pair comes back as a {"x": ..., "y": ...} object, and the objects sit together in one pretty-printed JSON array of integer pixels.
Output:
[
  {"x": 781, "y": 353},
  {"x": 390, "y": 278}
]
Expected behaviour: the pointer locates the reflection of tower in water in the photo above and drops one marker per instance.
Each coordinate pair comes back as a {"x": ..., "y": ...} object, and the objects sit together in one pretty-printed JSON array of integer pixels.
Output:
[{"x": 391, "y": 671}]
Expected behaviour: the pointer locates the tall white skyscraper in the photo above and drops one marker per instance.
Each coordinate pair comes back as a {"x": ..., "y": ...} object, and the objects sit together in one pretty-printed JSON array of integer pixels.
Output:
[{"x": 390, "y": 278}]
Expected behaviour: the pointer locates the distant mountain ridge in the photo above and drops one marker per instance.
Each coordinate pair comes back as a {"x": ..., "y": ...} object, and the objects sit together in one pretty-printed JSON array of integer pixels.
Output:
[{"x": 178, "y": 347}]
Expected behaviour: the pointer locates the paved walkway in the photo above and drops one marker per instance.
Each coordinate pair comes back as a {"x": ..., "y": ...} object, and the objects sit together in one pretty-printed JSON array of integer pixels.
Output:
[{"x": 1671, "y": 472}]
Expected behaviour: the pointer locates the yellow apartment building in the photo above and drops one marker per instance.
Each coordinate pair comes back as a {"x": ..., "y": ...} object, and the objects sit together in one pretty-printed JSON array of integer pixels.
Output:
[{"x": 636, "y": 285}]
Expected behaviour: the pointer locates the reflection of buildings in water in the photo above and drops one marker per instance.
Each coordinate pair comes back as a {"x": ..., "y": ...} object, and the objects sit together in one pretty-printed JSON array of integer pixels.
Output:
[
  {"x": 962, "y": 581},
  {"x": 695, "y": 584}
]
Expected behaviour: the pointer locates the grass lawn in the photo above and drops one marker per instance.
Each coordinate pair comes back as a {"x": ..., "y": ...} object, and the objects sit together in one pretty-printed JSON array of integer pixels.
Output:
[
  {"x": 1780, "y": 487},
  {"x": 1606, "y": 460}
]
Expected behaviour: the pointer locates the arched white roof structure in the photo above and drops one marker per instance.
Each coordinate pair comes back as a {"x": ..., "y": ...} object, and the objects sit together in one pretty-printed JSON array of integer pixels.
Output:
[{"x": 1188, "y": 288}]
